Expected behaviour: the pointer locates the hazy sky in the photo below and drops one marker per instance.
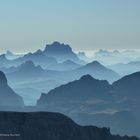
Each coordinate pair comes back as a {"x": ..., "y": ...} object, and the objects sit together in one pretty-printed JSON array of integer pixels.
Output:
[{"x": 26, "y": 25}]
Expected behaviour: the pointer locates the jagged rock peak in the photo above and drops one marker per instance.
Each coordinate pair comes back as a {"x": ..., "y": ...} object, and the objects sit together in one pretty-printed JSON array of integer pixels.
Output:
[
  {"x": 9, "y": 53},
  {"x": 57, "y": 45},
  {"x": 38, "y": 52}
]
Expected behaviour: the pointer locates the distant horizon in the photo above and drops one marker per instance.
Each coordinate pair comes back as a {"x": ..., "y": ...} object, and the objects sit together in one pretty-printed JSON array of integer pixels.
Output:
[{"x": 88, "y": 52}]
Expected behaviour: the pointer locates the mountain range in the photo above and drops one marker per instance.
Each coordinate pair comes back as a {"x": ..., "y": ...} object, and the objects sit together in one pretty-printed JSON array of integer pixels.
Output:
[
  {"x": 86, "y": 90},
  {"x": 82, "y": 56},
  {"x": 114, "y": 57},
  {"x": 38, "y": 58},
  {"x": 28, "y": 75},
  {"x": 10, "y": 55},
  {"x": 52, "y": 54},
  {"x": 91, "y": 96},
  {"x": 87, "y": 97},
  {"x": 53, "y": 126}
]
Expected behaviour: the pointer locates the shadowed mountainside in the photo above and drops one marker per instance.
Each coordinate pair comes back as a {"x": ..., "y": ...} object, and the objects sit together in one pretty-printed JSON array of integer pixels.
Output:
[
  {"x": 51, "y": 126},
  {"x": 128, "y": 86},
  {"x": 8, "y": 98},
  {"x": 90, "y": 96},
  {"x": 77, "y": 91}
]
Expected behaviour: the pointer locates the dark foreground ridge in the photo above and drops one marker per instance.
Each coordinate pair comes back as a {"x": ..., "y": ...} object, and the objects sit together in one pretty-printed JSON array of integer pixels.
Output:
[{"x": 49, "y": 126}]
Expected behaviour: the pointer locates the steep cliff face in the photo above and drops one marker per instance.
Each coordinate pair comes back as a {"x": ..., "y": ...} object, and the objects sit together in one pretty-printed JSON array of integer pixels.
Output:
[
  {"x": 8, "y": 98},
  {"x": 50, "y": 126}
]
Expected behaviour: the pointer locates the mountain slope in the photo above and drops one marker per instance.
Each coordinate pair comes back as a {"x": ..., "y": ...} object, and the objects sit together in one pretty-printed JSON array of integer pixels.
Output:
[
  {"x": 128, "y": 86},
  {"x": 98, "y": 71},
  {"x": 8, "y": 98},
  {"x": 81, "y": 90},
  {"x": 50, "y": 126},
  {"x": 4, "y": 62}
]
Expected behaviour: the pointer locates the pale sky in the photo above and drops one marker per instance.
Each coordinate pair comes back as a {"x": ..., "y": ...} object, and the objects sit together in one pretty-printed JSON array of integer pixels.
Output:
[{"x": 27, "y": 25}]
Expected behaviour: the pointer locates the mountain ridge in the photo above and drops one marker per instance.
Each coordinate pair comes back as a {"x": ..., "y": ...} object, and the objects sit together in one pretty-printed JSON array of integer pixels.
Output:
[{"x": 52, "y": 126}]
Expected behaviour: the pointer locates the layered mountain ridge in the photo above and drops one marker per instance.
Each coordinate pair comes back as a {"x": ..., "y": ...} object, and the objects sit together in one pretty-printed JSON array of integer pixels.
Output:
[{"x": 90, "y": 96}]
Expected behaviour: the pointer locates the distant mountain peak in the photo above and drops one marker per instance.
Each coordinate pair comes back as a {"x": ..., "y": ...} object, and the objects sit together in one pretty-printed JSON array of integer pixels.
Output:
[
  {"x": 3, "y": 79},
  {"x": 56, "y": 43},
  {"x": 94, "y": 64},
  {"x": 60, "y": 51},
  {"x": 38, "y": 52},
  {"x": 28, "y": 68},
  {"x": 28, "y": 54},
  {"x": 57, "y": 47},
  {"x": 82, "y": 53},
  {"x": 98, "y": 71},
  {"x": 103, "y": 51},
  {"x": 9, "y": 53},
  {"x": 83, "y": 56},
  {"x": 27, "y": 65},
  {"x": 87, "y": 77}
]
